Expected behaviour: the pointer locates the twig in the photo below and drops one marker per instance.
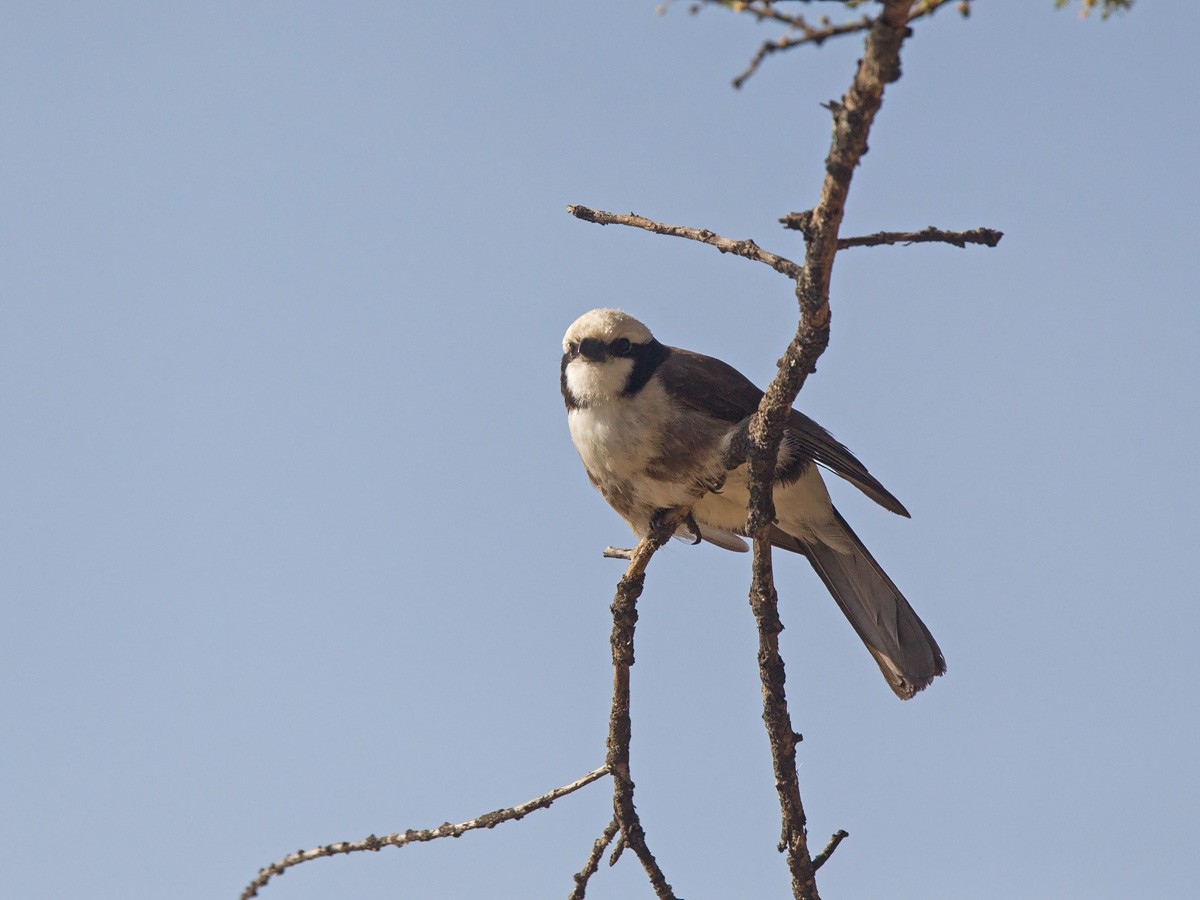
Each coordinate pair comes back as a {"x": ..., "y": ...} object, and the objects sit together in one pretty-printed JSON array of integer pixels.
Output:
[
  {"x": 593, "y": 860},
  {"x": 624, "y": 610},
  {"x": 618, "y": 553},
  {"x": 815, "y": 35},
  {"x": 487, "y": 820},
  {"x": 618, "y": 849},
  {"x": 988, "y": 237},
  {"x": 746, "y": 248},
  {"x": 808, "y": 35},
  {"x": 821, "y": 858}
]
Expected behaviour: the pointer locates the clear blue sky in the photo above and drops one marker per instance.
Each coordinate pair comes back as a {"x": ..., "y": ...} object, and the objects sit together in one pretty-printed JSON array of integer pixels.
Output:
[{"x": 296, "y": 547}]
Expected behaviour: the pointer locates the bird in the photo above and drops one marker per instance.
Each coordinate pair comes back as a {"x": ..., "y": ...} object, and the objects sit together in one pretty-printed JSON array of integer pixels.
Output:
[{"x": 657, "y": 429}]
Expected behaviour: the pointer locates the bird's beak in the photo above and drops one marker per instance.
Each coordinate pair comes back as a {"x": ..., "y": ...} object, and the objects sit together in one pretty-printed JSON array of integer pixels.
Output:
[{"x": 591, "y": 350}]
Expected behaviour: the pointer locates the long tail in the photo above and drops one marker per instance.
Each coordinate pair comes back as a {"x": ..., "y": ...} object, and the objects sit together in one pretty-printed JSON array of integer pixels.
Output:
[{"x": 906, "y": 652}]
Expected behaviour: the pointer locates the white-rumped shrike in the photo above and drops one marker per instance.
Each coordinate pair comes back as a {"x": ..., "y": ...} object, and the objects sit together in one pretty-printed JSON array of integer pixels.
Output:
[{"x": 658, "y": 429}]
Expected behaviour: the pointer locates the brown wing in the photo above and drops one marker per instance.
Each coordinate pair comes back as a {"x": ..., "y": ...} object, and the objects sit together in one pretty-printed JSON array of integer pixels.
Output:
[
  {"x": 708, "y": 385},
  {"x": 717, "y": 389}
]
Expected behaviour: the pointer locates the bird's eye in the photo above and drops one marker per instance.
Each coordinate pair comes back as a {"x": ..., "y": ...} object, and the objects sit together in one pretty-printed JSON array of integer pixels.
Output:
[
  {"x": 573, "y": 348},
  {"x": 620, "y": 347}
]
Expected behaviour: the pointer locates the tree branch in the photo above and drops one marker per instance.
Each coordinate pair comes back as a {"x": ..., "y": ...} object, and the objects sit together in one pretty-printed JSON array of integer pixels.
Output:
[
  {"x": 764, "y": 602},
  {"x": 593, "y": 860},
  {"x": 852, "y": 120},
  {"x": 810, "y": 34},
  {"x": 617, "y": 553},
  {"x": 624, "y": 610},
  {"x": 373, "y": 843},
  {"x": 988, "y": 237},
  {"x": 746, "y": 248},
  {"x": 625, "y": 817},
  {"x": 821, "y": 858}
]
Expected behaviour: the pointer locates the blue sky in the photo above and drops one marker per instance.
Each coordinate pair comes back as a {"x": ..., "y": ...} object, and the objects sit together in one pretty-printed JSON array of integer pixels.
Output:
[{"x": 296, "y": 547}]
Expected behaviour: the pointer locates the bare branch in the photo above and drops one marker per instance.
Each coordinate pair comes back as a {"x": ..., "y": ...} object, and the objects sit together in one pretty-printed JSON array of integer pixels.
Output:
[
  {"x": 804, "y": 33},
  {"x": 593, "y": 860},
  {"x": 618, "y": 849},
  {"x": 988, "y": 237},
  {"x": 746, "y": 248},
  {"x": 808, "y": 35},
  {"x": 371, "y": 842},
  {"x": 618, "y": 553},
  {"x": 624, "y": 610},
  {"x": 852, "y": 120},
  {"x": 765, "y": 604},
  {"x": 821, "y": 858}
]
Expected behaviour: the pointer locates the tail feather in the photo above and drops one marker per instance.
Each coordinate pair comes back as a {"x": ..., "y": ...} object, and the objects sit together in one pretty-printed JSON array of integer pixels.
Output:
[{"x": 902, "y": 646}]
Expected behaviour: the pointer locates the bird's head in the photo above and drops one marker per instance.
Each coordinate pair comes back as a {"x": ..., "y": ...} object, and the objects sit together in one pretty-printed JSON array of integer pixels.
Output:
[{"x": 600, "y": 352}]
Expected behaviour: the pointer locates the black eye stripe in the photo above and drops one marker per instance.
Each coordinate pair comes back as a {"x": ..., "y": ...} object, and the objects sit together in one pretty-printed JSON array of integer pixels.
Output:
[{"x": 622, "y": 347}]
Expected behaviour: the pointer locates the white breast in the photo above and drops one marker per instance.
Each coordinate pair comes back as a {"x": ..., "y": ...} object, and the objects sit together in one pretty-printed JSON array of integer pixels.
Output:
[
  {"x": 617, "y": 437},
  {"x": 620, "y": 437}
]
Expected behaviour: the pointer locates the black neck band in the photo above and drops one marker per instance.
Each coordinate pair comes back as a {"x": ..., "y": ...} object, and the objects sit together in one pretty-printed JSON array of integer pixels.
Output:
[{"x": 646, "y": 360}]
